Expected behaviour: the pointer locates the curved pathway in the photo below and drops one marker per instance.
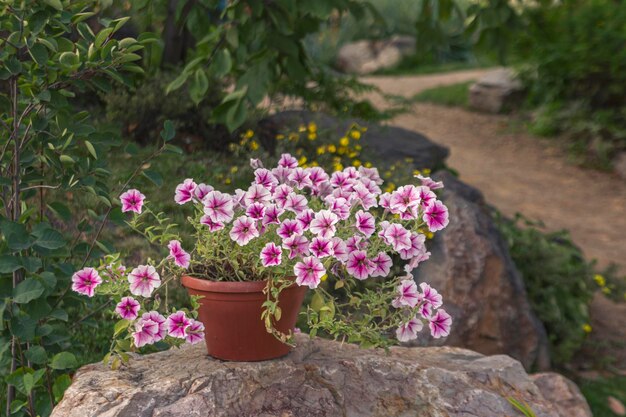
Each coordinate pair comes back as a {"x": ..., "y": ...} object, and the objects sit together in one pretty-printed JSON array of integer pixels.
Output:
[{"x": 518, "y": 172}]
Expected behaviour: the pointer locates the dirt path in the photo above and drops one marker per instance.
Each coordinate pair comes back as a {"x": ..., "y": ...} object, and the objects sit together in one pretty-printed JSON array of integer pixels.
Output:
[{"x": 517, "y": 172}]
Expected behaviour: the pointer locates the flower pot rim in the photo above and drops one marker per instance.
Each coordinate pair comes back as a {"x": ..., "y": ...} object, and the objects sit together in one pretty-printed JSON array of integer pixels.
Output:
[{"x": 200, "y": 284}]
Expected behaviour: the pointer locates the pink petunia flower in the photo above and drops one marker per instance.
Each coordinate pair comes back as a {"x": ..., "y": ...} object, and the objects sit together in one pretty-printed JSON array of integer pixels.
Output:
[
  {"x": 417, "y": 247},
  {"x": 371, "y": 186},
  {"x": 195, "y": 332},
  {"x": 143, "y": 280},
  {"x": 408, "y": 295},
  {"x": 271, "y": 255},
  {"x": 382, "y": 263},
  {"x": 213, "y": 226},
  {"x": 436, "y": 216},
  {"x": 256, "y": 163},
  {"x": 281, "y": 174},
  {"x": 281, "y": 193},
  {"x": 287, "y": 161},
  {"x": 85, "y": 281},
  {"x": 429, "y": 182},
  {"x": 244, "y": 230},
  {"x": 396, "y": 236},
  {"x": 358, "y": 265},
  {"x": 145, "y": 331},
  {"x": 296, "y": 203},
  {"x": 265, "y": 178},
  {"x": 219, "y": 207},
  {"x": 185, "y": 191},
  {"x": 181, "y": 258},
  {"x": 301, "y": 178},
  {"x": 309, "y": 272},
  {"x": 317, "y": 176},
  {"x": 408, "y": 331},
  {"x": 364, "y": 197},
  {"x": 297, "y": 245},
  {"x": 431, "y": 296},
  {"x": 341, "y": 180},
  {"x": 289, "y": 228},
  {"x": 321, "y": 247},
  {"x": 256, "y": 211},
  {"x": 339, "y": 205},
  {"x": 201, "y": 191},
  {"x": 365, "y": 223},
  {"x": 355, "y": 242},
  {"x": 160, "y": 321},
  {"x": 132, "y": 200},
  {"x": 404, "y": 197},
  {"x": 177, "y": 324},
  {"x": 440, "y": 324},
  {"x": 340, "y": 250},
  {"x": 272, "y": 215},
  {"x": 426, "y": 196},
  {"x": 256, "y": 194},
  {"x": 371, "y": 173},
  {"x": 305, "y": 218},
  {"x": 127, "y": 308},
  {"x": 324, "y": 224},
  {"x": 384, "y": 200}
]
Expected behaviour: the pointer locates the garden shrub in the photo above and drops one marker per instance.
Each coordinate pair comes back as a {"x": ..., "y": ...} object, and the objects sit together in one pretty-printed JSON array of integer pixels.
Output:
[
  {"x": 575, "y": 68},
  {"x": 558, "y": 282}
]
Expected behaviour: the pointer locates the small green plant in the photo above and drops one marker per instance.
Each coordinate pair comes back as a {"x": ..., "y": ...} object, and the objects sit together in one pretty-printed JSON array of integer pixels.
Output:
[
  {"x": 558, "y": 282},
  {"x": 454, "y": 95},
  {"x": 522, "y": 407}
]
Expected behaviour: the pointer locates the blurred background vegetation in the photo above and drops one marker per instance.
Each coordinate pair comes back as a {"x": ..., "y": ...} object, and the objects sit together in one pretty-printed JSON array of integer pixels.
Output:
[{"x": 215, "y": 69}]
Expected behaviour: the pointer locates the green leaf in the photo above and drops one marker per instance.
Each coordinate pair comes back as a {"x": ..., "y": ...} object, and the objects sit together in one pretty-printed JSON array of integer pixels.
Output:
[
  {"x": 63, "y": 360},
  {"x": 199, "y": 86},
  {"x": 168, "y": 131},
  {"x": 91, "y": 149},
  {"x": 37, "y": 355},
  {"x": 69, "y": 60},
  {"x": 79, "y": 17},
  {"x": 120, "y": 326},
  {"x": 66, "y": 159},
  {"x": 50, "y": 239},
  {"x": 60, "y": 385},
  {"x": 39, "y": 53},
  {"x": 9, "y": 264},
  {"x": 61, "y": 210},
  {"x": 54, "y": 3},
  {"x": 153, "y": 176},
  {"x": 102, "y": 36},
  {"x": 222, "y": 63},
  {"x": 177, "y": 83},
  {"x": 27, "y": 290},
  {"x": 59, "y": 314},
  {"x": 236, "y": 116}
]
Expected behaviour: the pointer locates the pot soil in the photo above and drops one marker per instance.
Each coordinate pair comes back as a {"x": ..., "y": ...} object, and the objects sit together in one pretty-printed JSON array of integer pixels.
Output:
[{"x": 231, "y": 314}]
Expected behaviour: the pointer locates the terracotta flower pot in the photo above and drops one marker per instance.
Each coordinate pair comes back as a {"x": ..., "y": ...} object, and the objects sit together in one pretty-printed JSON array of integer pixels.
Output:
[{"x": 231, "y": 313}]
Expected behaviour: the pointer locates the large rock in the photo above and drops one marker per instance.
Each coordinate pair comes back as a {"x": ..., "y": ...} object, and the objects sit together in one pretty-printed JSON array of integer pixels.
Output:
[
  {"x": 382, "y": 144},
  {"x": 319, "y": 378},
  {"x": 563, "y": 394},
  {"x": 367, "y": 56},
  {"x": 483, "y": 291},
  {"x": 496, "y": 92}
]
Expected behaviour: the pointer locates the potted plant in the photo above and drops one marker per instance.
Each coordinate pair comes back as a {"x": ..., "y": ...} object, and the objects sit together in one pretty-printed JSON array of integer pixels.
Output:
[{"x": 257, "y": 251}]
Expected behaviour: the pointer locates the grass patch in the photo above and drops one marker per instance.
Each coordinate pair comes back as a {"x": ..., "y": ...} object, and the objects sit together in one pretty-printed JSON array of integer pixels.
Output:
[
  {"x": 597, "y": 391},
  {"x": 411, "y": 65},
  {"x": 453, "y": 95}
]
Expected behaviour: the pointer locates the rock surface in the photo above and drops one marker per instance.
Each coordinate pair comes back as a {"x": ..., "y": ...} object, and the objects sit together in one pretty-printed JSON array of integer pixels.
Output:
[
  {"x": 563, "y": 394},
  {"x": 483, "y": 291},
  {"x": 386, "y": 144},
  {"x": 319, "y": 378},
  {"x": 497, "y": 91},
  {"x": 367, "y": 56}
]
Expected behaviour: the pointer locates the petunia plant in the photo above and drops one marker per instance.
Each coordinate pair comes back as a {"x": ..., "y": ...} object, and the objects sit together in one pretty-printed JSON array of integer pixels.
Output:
[{"x": 337, "y": 234}]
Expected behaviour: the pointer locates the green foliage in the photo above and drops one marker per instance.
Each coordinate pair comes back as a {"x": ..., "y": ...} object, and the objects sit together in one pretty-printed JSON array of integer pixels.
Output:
[
  {"x": 597, "y": 391},
  {"x": 440, "y": 30},
  {"x": 453, "y": 95},
  {"x": 576, "y": 72},
  {"x": 558, "y": 282},
  {"x": 50, "y": 154}
]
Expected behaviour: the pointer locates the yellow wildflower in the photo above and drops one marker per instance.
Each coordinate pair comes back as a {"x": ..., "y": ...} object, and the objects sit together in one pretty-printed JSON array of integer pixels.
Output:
[
  {"x": 606, "y": 290},
  {"x": 234, "y": 169},
  {"x": 302, "y": 160},
  {"x": 599, "y": 279},
  {"x": 249, "y": 133},
  {"x": 254, "y": 145},
  {"x": 587, "y": 328},
  {"x": 429, "y": 235},
  {"x": 314, "y": 164},
  {"x": 338, "y": 167},
  {"x": 302, "y": 128},
  {"x": 387, "y": 174},
  {"x": 356, "y": 163},
  {"x": 324, "y": 277},
  {"x": 426, "y": 171},
  {"x": 312, "y": 136},
  {"x": 331, "y": 148},
  {"x": 417, "y": 172},
  {"x": 344, "y": 141},
  {"x": 368, "y": 165},
  {"x": 353, "y": 155},
  {"x": 294, "y": 137},
  {"x": 321, "y": 150},
  {"x": 312, "y": 127},
  {"x": 280, "y": 137},
  {"x": 390, "y": 187},
  {"x": 355, "y": 134},
  {"x": 227, "y": 181},
  {"x": 358, "y": 147},
  {"x": 342, "y": 150}
]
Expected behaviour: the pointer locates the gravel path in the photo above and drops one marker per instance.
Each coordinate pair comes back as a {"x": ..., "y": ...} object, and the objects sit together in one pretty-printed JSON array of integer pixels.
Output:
[{"x": 518, "y": 172}]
